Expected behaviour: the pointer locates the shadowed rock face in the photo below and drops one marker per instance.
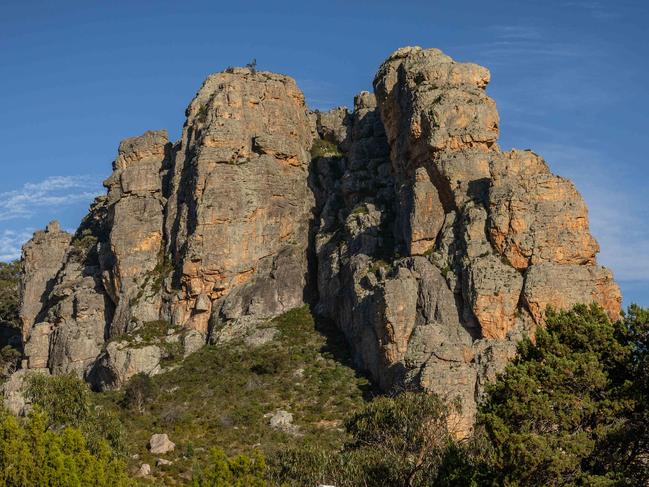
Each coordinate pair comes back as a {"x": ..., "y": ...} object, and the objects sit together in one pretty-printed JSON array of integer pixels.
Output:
[{"x": 432, "y": 250}]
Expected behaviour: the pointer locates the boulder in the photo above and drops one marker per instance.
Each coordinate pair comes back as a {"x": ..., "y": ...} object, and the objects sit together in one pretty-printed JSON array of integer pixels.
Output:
[{"x": 159, "y": 444}]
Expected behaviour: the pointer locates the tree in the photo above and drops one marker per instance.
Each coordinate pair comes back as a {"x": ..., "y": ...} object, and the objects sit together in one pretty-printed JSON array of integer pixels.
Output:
[
  {"x": 397, "y": 441},
  {"x": 565, "y": 411},
  {"x": 139, "y": 390},
  {"x": 66, "y": 401},
  {"x": 239, "y": 471},
  {"x": 32, "y": 455},
  {"x": 9, "y": 292}
]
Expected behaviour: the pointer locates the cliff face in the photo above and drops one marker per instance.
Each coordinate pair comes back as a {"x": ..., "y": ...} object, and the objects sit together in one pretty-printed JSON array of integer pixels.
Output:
[{"x": 402, "y": 221}]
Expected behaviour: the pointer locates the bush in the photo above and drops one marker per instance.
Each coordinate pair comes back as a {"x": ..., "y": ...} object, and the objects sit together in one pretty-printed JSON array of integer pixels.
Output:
[
  {"x": 397, "y": 441},
  {"x": 140, "y": 390},
  {"x": 239, "y": 471},
  {"x": 33, "y": 455},
  {"x": 10, "y": 292},
  {"x": 572, "y": 409},
  {"x": 9, "y": 360},
  {"x": 324, "y": 148},
  {"x": 66, "y": 401}
]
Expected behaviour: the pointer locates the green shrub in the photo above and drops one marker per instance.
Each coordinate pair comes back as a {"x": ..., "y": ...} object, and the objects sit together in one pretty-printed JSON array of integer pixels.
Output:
[
  {"x": 83, "y": 247},
  {"x": 572, "y": 409},
  {"x": 238, "y": 471},
  {"x": 139, "y": 391},
  {"x": 9, "y": 360},
  {"x": 324, "y": 148},
  {"x": 396, "y": 441},
  {"x": 66, "y": 401},
  {"x": 33, "y": 455},
  {"x": 10, "y": 292}
]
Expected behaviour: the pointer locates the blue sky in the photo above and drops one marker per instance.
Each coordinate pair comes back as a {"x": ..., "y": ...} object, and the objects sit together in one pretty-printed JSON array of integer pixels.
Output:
[{"x": 569, "y": 78}]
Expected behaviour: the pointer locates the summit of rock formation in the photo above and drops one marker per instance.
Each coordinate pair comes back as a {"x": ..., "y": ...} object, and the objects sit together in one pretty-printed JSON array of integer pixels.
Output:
[{"x": 402, "y": 221}]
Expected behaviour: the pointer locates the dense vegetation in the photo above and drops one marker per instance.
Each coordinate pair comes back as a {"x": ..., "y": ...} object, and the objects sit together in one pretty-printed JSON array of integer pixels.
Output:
[
  {"x": 9, "y": 321},
  {"x": 571, "y": 410},
  {"x": 9, "y": 292}
]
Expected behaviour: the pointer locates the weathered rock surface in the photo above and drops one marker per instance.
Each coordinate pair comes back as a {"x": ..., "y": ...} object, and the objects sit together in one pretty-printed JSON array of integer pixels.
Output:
[
  {"x": 493, "y": 237},
  {"x": 434, "y": 251},
  {"x": 42, "y": 258},
  {"x": 238, "y": 220},
  {"x": 132, "y": 265}
]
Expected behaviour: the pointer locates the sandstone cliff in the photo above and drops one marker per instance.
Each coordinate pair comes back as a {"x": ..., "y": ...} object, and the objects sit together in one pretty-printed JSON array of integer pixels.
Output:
[{"x": 402, "y": 221}]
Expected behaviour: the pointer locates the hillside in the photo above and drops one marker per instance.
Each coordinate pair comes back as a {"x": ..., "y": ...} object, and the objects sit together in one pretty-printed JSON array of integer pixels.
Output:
[{"x": 222, "y": 396}]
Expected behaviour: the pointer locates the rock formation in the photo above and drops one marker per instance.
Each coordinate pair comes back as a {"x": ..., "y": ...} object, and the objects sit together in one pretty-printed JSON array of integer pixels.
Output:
[{"x": 402, "y": 221}]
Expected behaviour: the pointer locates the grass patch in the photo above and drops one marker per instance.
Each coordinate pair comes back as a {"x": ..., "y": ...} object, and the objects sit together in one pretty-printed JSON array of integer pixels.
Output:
[{"x": 324, "y": 148}]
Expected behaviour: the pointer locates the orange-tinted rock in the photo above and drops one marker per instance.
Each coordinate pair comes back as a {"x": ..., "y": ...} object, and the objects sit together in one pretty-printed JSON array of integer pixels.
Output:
[
  {"x": 563, "y": 286},
  {"x": 535, "y": 216},
  {"x": 241, "y": 179}
]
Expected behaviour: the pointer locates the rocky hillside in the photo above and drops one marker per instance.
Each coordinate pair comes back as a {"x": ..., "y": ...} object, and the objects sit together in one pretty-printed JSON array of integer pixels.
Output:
[{"x": 401, "y": 221}]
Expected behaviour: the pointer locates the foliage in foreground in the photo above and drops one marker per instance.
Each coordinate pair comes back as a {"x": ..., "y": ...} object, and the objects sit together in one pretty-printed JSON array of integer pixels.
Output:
[
  {"x": 238, "y": 471},
  {"x": 67, "y": 402},
  {"x": 397, "y": 441},
  {"x": 572, "y": 409},
  {"x": 31, "y": 454}
]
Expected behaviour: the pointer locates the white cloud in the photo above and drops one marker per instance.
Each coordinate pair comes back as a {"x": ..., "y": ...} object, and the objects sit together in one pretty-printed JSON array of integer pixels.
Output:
[
  {"x": 11, "y": 242},
  {"x": 55, "y": 191}
]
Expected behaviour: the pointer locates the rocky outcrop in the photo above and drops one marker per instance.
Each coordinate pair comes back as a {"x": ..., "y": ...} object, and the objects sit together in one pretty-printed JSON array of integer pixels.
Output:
[
  {"x": 433, "y": 251},
  {"x": 42, "y": 258},
  {"x": 435, "y": 282},
  {"x": 238, "y": 220},
  {"x": 209, "y": 234},
  {"x": 133, "y": 261}
]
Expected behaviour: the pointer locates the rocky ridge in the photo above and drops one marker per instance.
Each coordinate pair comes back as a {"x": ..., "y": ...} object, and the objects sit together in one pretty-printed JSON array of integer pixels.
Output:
[{"x": 402, "y": 221}]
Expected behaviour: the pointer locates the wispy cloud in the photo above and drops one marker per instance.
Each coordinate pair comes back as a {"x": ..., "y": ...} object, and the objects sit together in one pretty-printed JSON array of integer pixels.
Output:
[
  {"x": 55, "y": 191},
  {"x": 597, "y": 8},
  {"x": 11, "y": 242},
  {"x": 519, "y": 32}
]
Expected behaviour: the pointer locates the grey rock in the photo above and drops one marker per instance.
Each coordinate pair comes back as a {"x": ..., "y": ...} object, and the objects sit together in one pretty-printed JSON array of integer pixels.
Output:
[
  {"x": 144, "y": 470},
  {"x": 42, "y": 258},
  {"x": 121, "y": 360},
  {"x": 159, "y": 444},
  {"x": 282, "y": 421},
  {"x": 261, "y": 337}
]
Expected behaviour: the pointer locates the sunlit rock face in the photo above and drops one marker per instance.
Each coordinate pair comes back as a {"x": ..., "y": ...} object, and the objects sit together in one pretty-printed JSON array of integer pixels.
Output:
[
  {"x": 401, "y": 220},
  {"x": 238, "y": 217}
]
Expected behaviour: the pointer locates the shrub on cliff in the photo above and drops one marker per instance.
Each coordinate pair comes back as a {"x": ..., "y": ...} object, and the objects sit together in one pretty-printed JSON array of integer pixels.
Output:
[{"x": 572, "y": 409}]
